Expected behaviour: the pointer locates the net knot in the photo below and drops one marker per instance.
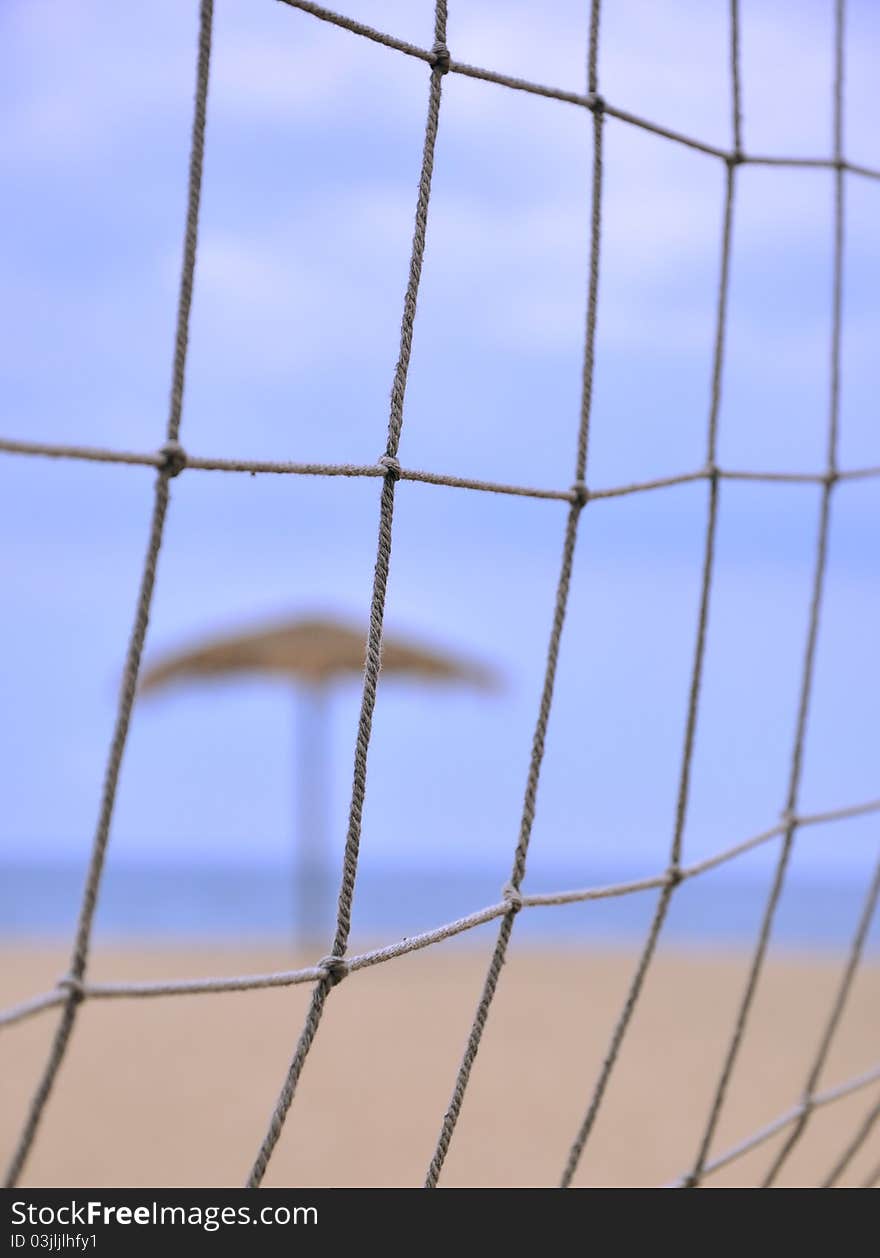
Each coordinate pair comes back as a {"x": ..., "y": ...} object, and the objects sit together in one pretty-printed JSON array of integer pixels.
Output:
[
  {"x": 711, "y": 471},
  {"x": 335, "y": 969},
  {"x": 73, "y": 986},
  {"x": 674, "y": 876},
  {"x": 580, "y": 495},
  {"x": 173, "y": 459},
  {"x": 440, "y": 58},
  {"x": 596, "y": 103},
  {"x": 736, "y": 158},
  {"x": 390, "y": 466},
  {"x": 512, "y": 896}
]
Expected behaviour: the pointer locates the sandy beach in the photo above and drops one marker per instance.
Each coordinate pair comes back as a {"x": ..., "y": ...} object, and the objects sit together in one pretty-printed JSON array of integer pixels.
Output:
[{"x": 176, "y": 1091}]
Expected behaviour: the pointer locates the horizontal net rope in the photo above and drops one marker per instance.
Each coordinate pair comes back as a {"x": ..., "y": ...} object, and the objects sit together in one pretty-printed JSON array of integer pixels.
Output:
[
  {"x": 272, "y": 467},
  {"x": 414, "y": 943},
  {"x": 857, "y": 1083},
  {"x": 586, "y": 101},
  {"x": 835, "y": 1016},
  {"x": 74, "y": 988}
]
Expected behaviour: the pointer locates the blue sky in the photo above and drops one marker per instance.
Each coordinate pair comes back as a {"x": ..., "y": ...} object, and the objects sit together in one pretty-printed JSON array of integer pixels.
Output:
[{"x": 314, "y": 140}]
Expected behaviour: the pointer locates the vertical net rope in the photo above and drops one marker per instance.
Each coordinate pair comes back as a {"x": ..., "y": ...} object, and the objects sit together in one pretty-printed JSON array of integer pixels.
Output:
[
  {"x": 336, "y": 967},
  {"x": 171, "y": 465},
  {"x": 74, "y": 988},
  {"x": 816, "y": 602}
]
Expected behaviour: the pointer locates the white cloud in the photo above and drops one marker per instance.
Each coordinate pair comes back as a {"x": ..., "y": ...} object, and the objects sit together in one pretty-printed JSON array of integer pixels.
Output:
[{"x": 283, "y": 280}]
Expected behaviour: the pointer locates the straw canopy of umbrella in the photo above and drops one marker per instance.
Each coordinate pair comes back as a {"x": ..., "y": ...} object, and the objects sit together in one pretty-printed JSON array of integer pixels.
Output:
[
  {"x": 311, "y": 653},
  {"x": 311, "y": 650}
]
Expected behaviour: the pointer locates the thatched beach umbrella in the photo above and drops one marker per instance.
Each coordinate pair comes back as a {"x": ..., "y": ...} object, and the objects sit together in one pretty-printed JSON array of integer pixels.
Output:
[{"x": 311, "y": 653}]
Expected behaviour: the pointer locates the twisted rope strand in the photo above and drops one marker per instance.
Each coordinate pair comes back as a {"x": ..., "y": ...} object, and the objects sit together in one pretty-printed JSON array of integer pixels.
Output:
[
  {"x": 413, "y": 943},
  {"x": 585, "y": 101},
  {"x": 73, "y": 989},
  {"x": 646, "y": 955},
  {"x": 809, "y": 658},
  {"x": 277, "y": 467},
  {"x": 168, "y": 468},
  {"x": 839, "y": 1093},
  {"x": 450, "y": 1117},
  {"x": 439, "y": 61},
  {"x": 830, "y": 1030}
]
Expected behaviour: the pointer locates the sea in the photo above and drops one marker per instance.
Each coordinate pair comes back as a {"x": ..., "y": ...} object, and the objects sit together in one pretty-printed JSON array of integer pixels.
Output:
[{"x": 258, "y": 903}]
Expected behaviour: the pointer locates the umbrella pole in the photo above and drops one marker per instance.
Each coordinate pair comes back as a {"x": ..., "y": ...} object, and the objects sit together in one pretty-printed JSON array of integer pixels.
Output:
[{"x": 311, "y": 882}]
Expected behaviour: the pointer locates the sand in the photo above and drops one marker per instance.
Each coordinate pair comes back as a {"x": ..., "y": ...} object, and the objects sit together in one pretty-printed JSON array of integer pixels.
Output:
[{"x": 177, "y": 1091}]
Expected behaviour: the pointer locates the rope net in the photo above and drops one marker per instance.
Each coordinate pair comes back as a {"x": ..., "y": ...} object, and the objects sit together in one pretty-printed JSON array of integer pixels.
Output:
[{"x": 171, "y": 459}]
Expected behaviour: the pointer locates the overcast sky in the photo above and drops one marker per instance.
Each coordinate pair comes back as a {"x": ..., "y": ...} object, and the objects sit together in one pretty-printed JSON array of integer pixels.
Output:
[{"x": 313, "y": 150}]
